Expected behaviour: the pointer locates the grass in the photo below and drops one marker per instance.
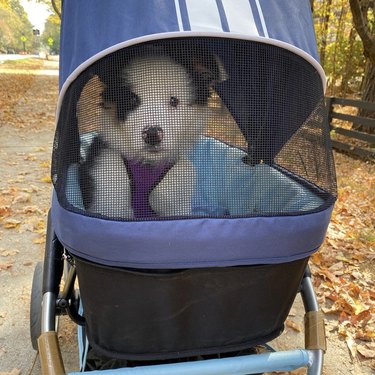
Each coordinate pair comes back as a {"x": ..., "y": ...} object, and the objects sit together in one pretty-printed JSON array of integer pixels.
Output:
[{"x": 21, "y": 64}]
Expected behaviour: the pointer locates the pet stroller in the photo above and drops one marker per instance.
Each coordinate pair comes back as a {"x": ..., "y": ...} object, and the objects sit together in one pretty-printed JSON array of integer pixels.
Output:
[{"x": 193, "y": 178}]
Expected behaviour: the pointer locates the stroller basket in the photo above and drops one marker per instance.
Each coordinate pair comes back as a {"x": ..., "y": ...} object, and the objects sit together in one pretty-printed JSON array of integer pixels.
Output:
[
  {"x": 185, "y": 313},
  {"x": 193, "y": 178}
]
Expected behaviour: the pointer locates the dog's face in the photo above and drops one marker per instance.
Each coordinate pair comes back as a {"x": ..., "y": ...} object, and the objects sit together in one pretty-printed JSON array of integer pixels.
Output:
[{"x": 156, "y": 110}]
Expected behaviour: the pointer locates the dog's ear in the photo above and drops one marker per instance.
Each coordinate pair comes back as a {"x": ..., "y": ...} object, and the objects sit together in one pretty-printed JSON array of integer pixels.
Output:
[
  {"x": 109, "y": 71},
  {"x": 210, "y": 68},
  {"x": 206, "y": 70}
]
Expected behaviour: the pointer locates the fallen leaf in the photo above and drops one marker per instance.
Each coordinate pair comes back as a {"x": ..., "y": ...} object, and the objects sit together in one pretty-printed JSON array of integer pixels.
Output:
[
  {"x": 45, "y": 164},
  {"x": 32, "y": 210},
  {"x": 39, "y": 240},
  {"x": 366, "y": 351},
  {"x": 5, "y": 211},
  {"x": 351, "y": 346},
  {"x": 5, "y": 266},
  {"x": 40, "y": 227},
  {"x": 31, "y": 189},
  {"x": 46, "y": 179},
  {"x": 22, "y": 198},
  {"x": 11, "y": 223},
  {"x": 15, "y": 371},
  {"x": 7, "y": 253},
  {"x": 40, "y": 149},
  {"x": 295, "y": 326}
]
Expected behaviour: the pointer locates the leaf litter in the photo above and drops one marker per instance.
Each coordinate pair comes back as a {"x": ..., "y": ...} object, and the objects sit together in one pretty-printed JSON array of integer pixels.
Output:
[{"x": 344, "y": 268}]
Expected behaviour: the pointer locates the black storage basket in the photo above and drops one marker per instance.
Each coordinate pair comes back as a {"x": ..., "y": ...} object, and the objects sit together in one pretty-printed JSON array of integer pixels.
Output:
[{"x": 151, "y": 315}]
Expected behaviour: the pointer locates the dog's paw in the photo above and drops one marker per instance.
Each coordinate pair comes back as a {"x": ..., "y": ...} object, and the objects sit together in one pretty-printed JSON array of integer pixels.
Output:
[
  {"x": 112, "y": 191},
  {"x": 173, "y": 195}
]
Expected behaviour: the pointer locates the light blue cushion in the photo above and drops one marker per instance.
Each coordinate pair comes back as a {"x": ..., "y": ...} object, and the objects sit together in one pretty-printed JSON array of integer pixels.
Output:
[{"x": 225, "y": 185}]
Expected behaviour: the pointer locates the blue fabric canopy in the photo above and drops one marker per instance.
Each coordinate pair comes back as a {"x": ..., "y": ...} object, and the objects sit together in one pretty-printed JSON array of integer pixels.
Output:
[{"x": 91, "y": 26}]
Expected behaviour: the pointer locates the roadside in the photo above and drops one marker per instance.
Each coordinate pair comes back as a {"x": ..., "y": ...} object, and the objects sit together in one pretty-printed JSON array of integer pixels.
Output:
[{"x": 26, "y": 136}]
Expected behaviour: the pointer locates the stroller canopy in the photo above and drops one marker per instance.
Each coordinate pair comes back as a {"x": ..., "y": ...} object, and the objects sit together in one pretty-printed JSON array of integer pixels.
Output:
[
  {"x": 89, "y": 28},
  {"x": 275, "y": 97}
]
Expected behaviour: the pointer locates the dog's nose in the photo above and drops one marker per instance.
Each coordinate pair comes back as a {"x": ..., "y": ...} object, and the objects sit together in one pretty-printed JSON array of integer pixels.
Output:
[{"x": 152, "y": 135}]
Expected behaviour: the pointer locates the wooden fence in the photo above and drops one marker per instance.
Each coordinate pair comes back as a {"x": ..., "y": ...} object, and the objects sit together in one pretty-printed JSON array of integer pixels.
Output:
[{"x": 366, "y": 147}]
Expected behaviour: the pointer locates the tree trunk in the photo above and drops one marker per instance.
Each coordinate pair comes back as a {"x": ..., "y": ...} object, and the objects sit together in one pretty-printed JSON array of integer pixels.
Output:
[
  {"x": 368, "y": 95},
  {"x": 323, "y": 45},
  {"x": 360, "y": 11},
  {"x": 348, "y": 65},
  {"x": 338, "y": 35}
]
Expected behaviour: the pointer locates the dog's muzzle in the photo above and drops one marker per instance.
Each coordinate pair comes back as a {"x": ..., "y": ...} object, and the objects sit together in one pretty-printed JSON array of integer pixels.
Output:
[{"x": 153, "y": 135}]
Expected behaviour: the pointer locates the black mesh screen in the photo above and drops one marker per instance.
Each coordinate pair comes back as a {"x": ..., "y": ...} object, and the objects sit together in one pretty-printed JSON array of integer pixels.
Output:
[{"x": 194, "y": 127}]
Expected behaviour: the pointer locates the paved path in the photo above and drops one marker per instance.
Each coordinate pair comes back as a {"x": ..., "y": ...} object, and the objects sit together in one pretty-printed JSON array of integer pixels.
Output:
[{"x": 25, "y": 152}]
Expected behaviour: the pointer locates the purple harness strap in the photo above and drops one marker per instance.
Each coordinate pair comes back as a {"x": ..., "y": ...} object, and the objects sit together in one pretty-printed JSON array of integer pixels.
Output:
[{"x": 144, "y": 178}]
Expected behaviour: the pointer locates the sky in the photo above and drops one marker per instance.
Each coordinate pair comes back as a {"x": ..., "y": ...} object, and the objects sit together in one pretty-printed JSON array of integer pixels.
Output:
[{"x": 37, "y": 13}]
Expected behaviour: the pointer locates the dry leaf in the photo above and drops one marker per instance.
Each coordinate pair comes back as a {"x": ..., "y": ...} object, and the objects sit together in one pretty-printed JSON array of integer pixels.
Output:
[
  {"x": 31, "y": 189},
  {"x": 295, "y": 326},
  {"x": 46, "y": 179},
  {"x": 366, "y": 351},
  {"x": 40, "y": 227},
  {"x": 11, "y": 223},
  {"x": 22, "y": 198},
  {"x": 351, "y": 346},
  {"x": 15, "y": 371},
  {"x": 45, "y": 164},
  {"x": 32, "y": 210},
  {"x": 39, "y": 240},
  {"x": 7, "y": 253},
  {"x": 5, "y": 211},
  {"x": 5, "y": 266}
]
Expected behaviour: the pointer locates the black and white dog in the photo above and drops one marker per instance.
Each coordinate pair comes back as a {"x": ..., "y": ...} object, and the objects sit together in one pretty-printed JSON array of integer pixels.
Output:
[{"x": 155, "y": 108}]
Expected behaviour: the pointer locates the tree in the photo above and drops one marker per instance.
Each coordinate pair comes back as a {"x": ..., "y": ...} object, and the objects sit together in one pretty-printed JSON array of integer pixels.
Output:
[
  {"x": 327, "y": 12},
  {"x": 363, "y": 12},
  {"x": 14, "y": 25},
  {"x": 340, "y": 47},
  {"x": 51, "y": 34}
]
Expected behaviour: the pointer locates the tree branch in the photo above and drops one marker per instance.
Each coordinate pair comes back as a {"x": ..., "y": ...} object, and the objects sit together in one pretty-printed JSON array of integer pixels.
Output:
[
  {"x": 360, "y": 21},
  {"x": 55, "y": 8}
]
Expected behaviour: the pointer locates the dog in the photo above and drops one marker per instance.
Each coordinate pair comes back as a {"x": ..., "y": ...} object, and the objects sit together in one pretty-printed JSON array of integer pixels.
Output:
[{"x": 154, "y": 110}]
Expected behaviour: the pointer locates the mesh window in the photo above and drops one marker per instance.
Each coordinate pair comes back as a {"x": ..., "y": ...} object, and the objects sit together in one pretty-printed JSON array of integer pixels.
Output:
[{"x": 194, "y": 127}]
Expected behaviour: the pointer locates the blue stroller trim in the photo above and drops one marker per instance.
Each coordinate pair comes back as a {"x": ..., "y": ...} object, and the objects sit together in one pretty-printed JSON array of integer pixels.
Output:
[{"x": 193, "y": 242}]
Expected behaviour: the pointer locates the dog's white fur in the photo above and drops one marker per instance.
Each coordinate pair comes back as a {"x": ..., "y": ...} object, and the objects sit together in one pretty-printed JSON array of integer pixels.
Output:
[{"x": 154, "y": 80}]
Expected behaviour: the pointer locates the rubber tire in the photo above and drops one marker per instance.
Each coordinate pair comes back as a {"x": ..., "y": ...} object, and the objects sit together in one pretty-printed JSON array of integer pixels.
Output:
[{"x": 36, "y": 305}]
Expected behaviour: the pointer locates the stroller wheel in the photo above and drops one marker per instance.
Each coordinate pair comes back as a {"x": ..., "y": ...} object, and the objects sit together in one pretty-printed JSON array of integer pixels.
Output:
[{"x": 36, "y": 305}]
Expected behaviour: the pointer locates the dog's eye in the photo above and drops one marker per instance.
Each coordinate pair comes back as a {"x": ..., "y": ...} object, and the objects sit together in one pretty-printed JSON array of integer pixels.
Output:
[
  {"x": 134, "y": 100},
  {"x": 173, "y": 101}
]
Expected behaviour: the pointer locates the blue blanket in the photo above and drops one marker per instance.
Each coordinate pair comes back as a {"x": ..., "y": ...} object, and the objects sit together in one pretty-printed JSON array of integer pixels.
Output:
[{"x": 225, "y": 185}]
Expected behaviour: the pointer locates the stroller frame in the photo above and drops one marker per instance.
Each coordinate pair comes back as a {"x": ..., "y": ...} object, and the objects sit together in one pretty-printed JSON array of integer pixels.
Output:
[{"x": 55, "y": 303}]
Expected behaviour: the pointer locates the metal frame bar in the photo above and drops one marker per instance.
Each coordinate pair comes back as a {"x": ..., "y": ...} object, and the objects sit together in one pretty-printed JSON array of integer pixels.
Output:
[{"x": 250, "y": 364}]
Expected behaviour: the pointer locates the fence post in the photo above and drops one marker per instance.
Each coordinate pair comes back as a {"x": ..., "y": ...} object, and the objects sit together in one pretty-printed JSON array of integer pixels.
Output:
[{"x": 329, "y": 104}]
